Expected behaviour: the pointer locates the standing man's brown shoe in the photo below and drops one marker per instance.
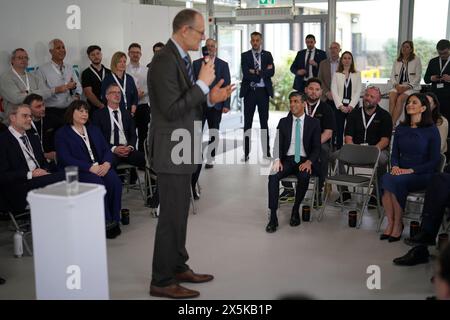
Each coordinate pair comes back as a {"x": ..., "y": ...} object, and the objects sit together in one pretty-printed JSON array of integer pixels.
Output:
[
  {"x": 174, "y": 291},
  {"x": 192, "y": 277}
]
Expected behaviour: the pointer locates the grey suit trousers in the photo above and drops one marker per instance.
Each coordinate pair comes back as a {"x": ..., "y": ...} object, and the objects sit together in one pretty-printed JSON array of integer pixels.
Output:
[{"x": 170, "y": 254}]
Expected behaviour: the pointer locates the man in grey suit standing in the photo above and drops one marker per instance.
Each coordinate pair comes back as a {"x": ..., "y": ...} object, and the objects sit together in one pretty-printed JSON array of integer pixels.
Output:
[{"x": 176, "y": 98}]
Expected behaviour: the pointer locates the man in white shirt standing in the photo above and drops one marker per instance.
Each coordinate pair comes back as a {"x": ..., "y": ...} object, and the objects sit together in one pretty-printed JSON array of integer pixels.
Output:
[
  {"x": 61, "y": 79},
  {"x": 139, "y": 74}
]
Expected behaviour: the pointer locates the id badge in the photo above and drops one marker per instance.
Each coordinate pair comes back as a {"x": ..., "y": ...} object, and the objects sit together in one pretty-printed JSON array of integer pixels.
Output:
[
  {"x": 346, "y": 101},
  {"x": 439, "y": 85},
  {"x": 364, "y": 144}
]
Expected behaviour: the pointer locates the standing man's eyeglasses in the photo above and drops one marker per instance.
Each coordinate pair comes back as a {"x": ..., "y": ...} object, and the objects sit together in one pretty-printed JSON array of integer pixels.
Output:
[{"x": 202, "y": 33}]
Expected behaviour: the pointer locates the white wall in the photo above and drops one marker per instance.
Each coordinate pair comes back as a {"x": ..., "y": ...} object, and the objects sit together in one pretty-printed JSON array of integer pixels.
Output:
[{"x": 111, "y": 24}]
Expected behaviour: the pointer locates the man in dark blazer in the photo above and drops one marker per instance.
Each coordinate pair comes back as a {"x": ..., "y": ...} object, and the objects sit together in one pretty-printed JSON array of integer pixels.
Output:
[
  {"x": 174, "y": 149},
  {"x": 44, "y": 127},
  {"x": 256, "y": 89},
  {"x": 438, "y": 74},
  {"x": 118, "y": 128},
  {"x": 306, "y": 63},
  {"x": 212, "y": 114},
  {"x": 297, "y": 149},
  {"x": 22, "y": 163}
]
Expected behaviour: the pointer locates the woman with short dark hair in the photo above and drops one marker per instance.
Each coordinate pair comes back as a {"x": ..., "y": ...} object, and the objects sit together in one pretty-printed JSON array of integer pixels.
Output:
[
  {"x": 415, "y": 157},
  {"x": 83, "y": 145}
]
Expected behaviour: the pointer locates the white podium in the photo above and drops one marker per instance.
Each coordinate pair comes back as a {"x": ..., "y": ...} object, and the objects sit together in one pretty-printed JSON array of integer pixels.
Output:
[{"x": 69, "y": 242}]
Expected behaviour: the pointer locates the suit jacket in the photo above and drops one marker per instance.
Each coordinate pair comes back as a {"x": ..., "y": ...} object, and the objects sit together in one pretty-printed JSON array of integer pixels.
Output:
[
  {"x": 414, "y": 73},
  {"x": 50, "y": 124},
  {"x": 222, "y": 72},
  {"x": 247, "y": 63},
  {"x": 310, "y": 138},
  {"x": 72, "y": 151},
  {"x": 13, "y": 165},
  {"x": 338, "y": 85},
  {"x": 325, "y": 76},
  {"x": 434, "y": 69},
  {"x": 299, "y": 63},
  {"x": 176, "y": 104},
  {"x": 102, "y": 119}
]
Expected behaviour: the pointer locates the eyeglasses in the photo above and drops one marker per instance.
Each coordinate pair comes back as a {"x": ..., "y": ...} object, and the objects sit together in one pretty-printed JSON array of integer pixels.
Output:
[{"x": 202, "y": 33}]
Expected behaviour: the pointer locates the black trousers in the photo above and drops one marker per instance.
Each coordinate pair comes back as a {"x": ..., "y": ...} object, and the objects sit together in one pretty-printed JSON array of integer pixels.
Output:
[
  {"x": 289, "y": 167},
  {"x": 15, "y": 194},
  {"x": 340, "y": 126},
  {"x": 437, "y": 198},
  {"x": 142, "y": 119},
  {"x": 260, "y": 98},
  {"x": 170, "y": 254}
]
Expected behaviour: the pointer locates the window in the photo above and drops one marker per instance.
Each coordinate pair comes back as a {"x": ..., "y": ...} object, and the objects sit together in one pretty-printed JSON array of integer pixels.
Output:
[
  {"x": 430, "y": 26},
  {"x": 369, "y": 29}
]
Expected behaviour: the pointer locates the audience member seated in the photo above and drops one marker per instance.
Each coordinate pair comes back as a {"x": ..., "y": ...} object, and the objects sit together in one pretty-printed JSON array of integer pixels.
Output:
[
  {"x": 17, "y": 83},
  {"x": 405, "y": 79},
  {"x": 61, "y": 79},
  {"x": 439, "y": 120},
  {"x": 43, "y": 126},
  {"x": 438, "y": 74},
  {"x": 82, "y": 145},
  {"x": 346, "y": 91},
  {"x": 370, "y": 125},
  {"x": 22, "y": 163},
  {"x": 297, "y": 148},
  {"x": 129, "y": 93},
  {"x": 437, "y": 199},
  {"x": 415, "y": 157},
  {"x": 118, "y": 128},
  {"x": 92, "y": 77}
]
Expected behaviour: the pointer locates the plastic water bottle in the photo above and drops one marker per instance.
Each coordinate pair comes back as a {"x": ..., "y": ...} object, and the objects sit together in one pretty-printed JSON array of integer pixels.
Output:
[{"x": 18, "y": 244}]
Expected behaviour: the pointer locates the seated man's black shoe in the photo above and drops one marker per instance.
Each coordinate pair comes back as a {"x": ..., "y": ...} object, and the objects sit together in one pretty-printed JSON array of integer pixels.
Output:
[
  {"x": 373, "y": 201},
  {"x": 421, "y": 238},
  {"x": 345, "y": 196},
  {"x": 272, "y": 226},
  {"x": 111, "y": 229},
  {"x": 295, "y": 219},
  {"x": 414, "y": 256},
  {"x": 209, "y": 166}
]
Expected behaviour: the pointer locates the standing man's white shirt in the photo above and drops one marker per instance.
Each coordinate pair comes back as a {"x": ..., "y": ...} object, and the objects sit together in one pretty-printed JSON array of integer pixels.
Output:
[{"x": 139, "y": 74}]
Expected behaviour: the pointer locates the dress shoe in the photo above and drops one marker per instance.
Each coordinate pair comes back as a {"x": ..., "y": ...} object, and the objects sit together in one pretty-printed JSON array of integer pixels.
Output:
[
  {"x": 414, "y": 256},
  {"x": 295, "y": 219},
  {"x": 111, "y": 230},
  {"x": 192, "y": 277},
  {"x": 384, "y": 236},
  {"x": 272, "y": 226},
  {"x": 345, "y": 196},
  {"x": 209, "y": 166},
  {"x": 421, "y": 238},
  {"x": 174, "y": 291},
  {"x": 395, "y": 239},
  {"x": 373, "y": 201},
  {"x": 2, "y": 281},
  {"x": 195, "y": 195},
  {"x": 246, "y": 158}
]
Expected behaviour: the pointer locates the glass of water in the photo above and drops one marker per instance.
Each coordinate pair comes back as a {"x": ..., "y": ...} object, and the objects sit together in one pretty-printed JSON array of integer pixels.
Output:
[{"x": 71, "y": 180}]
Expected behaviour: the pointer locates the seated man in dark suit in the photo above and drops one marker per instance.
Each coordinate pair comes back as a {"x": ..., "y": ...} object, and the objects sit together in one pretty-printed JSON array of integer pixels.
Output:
[
  {"x": 437, "y": 199},
  {"x": 118, "y": 129},
  {"x": 297, "y": 146},
  {"x": 43, "y": 126},
  {"x": 22, "y": 163}
]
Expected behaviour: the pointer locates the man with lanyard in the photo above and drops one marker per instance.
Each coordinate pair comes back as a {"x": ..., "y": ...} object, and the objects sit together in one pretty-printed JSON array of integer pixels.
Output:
[
  {"x": 118, "y": 128},
  {"x": 44, "y": 127},
  {"x": 438, "y": 74},
  {"x": 370, "y": 125},
  {"x": 17, "y": 83},
  {"x": 139, "y": 74},
  {"x": 61, "y": 79},
  {"x": 22, "y": 164},
  {"x": 92, "y": 78}
]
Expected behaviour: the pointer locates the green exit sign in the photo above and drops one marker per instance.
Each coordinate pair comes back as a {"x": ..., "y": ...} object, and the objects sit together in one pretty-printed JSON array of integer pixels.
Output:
[{"x": 266, "y": 2}]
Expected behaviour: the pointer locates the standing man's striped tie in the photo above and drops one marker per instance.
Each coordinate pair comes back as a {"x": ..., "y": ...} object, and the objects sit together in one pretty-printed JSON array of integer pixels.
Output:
[{"x": 190, "y": 71}]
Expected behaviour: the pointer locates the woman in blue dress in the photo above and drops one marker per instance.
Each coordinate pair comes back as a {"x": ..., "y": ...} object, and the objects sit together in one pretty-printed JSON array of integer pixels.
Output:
[{"x": 415, "y": 157}]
